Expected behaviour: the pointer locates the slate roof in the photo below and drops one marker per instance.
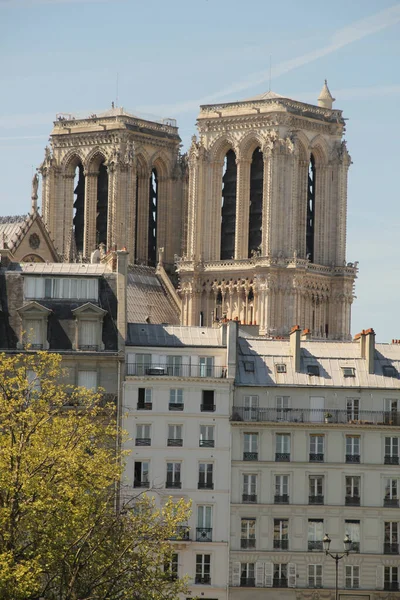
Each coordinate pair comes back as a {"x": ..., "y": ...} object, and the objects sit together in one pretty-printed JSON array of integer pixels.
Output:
[
  {"x": 86, "y": 269},
  {"x": 9, "y": 228},
  {"x": 147, "y": 298},
  {"x": 172, "y": 336},
  {"x": 329, "y": 356}
]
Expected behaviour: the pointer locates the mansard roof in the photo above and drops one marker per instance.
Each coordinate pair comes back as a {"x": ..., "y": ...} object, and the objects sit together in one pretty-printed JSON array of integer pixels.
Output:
[{"x": 89, "y": 309}]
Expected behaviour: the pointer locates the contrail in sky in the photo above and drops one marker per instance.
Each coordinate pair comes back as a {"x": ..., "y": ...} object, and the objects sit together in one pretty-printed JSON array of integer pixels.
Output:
[{"x": 34, "y": 2}]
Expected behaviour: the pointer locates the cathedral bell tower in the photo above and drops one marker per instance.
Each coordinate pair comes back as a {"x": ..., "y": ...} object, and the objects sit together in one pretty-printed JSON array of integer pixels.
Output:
[{"x": 267, "y": 204}]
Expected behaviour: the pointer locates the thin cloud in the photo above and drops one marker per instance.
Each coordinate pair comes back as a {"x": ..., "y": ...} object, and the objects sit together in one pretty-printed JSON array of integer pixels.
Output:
[{"x": 14, "y": 3}]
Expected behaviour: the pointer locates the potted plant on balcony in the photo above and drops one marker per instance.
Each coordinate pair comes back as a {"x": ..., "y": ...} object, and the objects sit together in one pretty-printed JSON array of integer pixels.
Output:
[{"x": 328, "y": 417}]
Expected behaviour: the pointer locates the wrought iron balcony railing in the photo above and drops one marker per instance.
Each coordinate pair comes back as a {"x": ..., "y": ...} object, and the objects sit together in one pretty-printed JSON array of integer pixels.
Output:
[
  {"x": 314, "y": 545},
  {"x": 176, "y": 406},
  {"x": 315, "y": 499},
  {"x": 141, "y": 484},
  {"x": 391, "y": 460},
  {"x": 160, "y": 370},
  {"x": 174, "y": 442},
  {"x": 144, "y": 405},
  {"x": 280, "y": 582},
  {"x": 182, "y": 533},
  {"x": 207, "y": 407},
  {"x": 249, "y": 498},
  {"x": 203, "y": 579},
  {"x": 203, "y": 534},
  {"x": 316, "y": 457},
  {"x": 205, "y": 485},
  {"x": 314, "y": 415},
  {"x": 355, "y": 547},
  {"x": 391, "y": 586},
  {"x": 281, "y": 544},
  {"x": 352, "y": 501},
  {"x": 143, "y": 442},
  {"x": 281, "y": 499},
  {"x": 250, "y": 455},
  {"x": 247, "y": 543},
  {"x": 247, "y": 582},
  {"x": 206, "y": 443},
  {"x": 391, "y": 502},
  {"x": 352, "y": 458},
  {"x": 282, "y": 456},
  {"x": 390, "y": 548},
  {"x": 173, "y": 484}
]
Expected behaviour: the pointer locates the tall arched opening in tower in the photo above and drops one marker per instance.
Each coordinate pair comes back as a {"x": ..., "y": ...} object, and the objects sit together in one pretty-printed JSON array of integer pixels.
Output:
[
  {"x": 102, "y": 205},
  {"x": 228, "y": 206},
  {"x": 311, "y": 209},
  {"x": 256, "y": 197},
  {"x": 78, "y": 219},
  {"x": 152, "y": 225}
]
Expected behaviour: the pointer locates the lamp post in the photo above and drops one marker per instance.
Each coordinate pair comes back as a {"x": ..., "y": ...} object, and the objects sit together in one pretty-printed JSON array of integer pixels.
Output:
[{"x": 326, "y": 542}]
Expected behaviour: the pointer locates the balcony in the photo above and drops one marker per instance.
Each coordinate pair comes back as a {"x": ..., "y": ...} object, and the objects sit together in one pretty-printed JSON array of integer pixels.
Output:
[
  {"x": 316, "y": 457},
  {"x": 315, "y": 546},
  {"x": 391, "y": 502},
  {"x": 206, "y": 443},
  {"x": 250, "y": 455},
  {"x": 247, "y": 582},
  {"x": 352, "y": 500},
  {"x": 175, "y": 406},
  {"x": 203, "y": 579},
  {"x": 88, "y": 347},
  {"x": 143, "y": 442},
  {"x": 311, "y": 415},
  {"x": 247, "y": 543},
  {"x": 390, "y": 548},
  {"x": 352, "y": 458},
  {"x": 391, "y": 586},
  {"x": 144, "y": 405},
  {"x": 205, "y": 485},
  {"x": 280, "y": 582},
  {"x": 141, "y": 484},
  {"x": 174, "y": 485},
  {"x": 355, "y": 547},
  {"x": 182, "y": 533},
  {"x": 207, "y": 407},
  {"x": 174, "y": 442},
  {"x": 281, "y": 499},
  {"x": 159, "y": 370},
  {"x": 249, "y": 498},
  {"x": 203, "y": 534},
  {"x": 281, "y": 544},
  {"x": 391, "y": 460},
  {"x": 315, "y": 499},
  {"x": 282, "y": 456}
]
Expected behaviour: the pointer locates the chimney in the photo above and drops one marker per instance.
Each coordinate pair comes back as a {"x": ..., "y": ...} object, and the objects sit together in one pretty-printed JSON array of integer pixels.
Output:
[
  {"x": 306, "y": 335},
  {"x": 295, "y": 346},
  {"x": 122, "y": 281},
  {"x": 366, "y": 337},
  {"x": 232, "y": 344}
]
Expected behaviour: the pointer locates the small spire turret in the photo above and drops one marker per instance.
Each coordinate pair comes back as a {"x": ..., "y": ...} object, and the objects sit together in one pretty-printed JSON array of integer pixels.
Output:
[{"x": 325, "y": 99}]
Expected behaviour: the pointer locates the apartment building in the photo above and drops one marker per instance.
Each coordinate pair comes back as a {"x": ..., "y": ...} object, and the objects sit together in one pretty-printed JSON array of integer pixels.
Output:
[
  {"x": 315, "y": 450},
  {"x": 177, "y": 390}
]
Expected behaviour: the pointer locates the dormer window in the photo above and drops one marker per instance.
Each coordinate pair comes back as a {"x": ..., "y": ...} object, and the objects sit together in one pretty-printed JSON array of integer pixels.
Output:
[
  {"x": 249, "y": 366},
  {"x": 34, "y": 326},
  {"x": 313, "y": 370},
  {"x": 89, "y": 327},
  {"x": 349, "y": 371},
  {"x": 389, "y": 371},
  {"x": 280, "y": 368}
]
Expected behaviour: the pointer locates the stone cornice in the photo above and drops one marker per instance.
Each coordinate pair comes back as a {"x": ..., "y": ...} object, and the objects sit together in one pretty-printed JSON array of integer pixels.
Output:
[
  {"x": 121, "y": 122},
  {"x": 107, "y": 138}
]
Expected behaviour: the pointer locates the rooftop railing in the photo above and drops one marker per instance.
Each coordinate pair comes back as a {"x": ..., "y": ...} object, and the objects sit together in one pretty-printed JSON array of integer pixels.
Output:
[
  {"x": 157, "y": 370},
  {"x": 313, "y": 415}
]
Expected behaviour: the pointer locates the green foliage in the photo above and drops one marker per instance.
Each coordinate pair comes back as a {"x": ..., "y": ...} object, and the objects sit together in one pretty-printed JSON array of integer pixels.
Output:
[{"x": 61, "y": 537}]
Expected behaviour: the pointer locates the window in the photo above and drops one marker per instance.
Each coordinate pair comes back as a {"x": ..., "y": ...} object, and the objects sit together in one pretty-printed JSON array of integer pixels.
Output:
[
  {"x": 280, "y": 367},
  {"x": 391, "y": 537},
  {"x": 175, "y": 435},
  {"x": 206, "y": 366},
  {"x": 250, "y": 446},
  {"x": 143, "y": 364},
  {"x": 174, "y": 365},
  {"x": 281, "y": 489},
  {"x": 389, "y": 371},
  {"x": 352, "y": 528},
  {"x": 87, "y": 379},
  {"x": 171, "y": 567},
  {"x": 33, "y": 381},
  {"x": 34, "y": 287},
  {"x": 281, "y": 534},
  {"x": 248, "y": 534},
  {"x": 207, "y": 404},
  {"x": 391, "y": 578},
  {"x": 348, "y": 371},
  {"x": 352, "y": 577},
  {"x": 316, "y": 489},
  {"x": 203, "y": 568},
  {"x": 282, "y": 443},
  {"x": 141, "y": 474},
  {"x": 391, "y": 450},
  {"x": 313, "y": 370},
  {"x": 249, "y": 488},
  {"x": 88, "y": 334},
  {"x": 173, "y": 475},
  {"x": 353, "y": 409},
  {"x": 61, "y": 288},
  {"x": 352, "y": 490},
  {"x": 249, "y": 366},
  {"x": 247, "y": 576},
  {"x": 391, "y": 412},
  {"x": 204, "y": 524},
  {"x": 144, "y": 399},
  {"x": 250, "y": 411},
  {"x": 315, "y": 576},
  {"x": 34, "y": 333},
  {"x": 317, "y": 448},
  {"x": 206, "y": 476},
  {"x": 391, "y": 493},
  {"x": 206, "y": 436},
  {"x": 176, "y": 399},
  {"x": 143, "y": 436},
  {"x": 282, "y": 408},
  {"x": 352, "y": 449},
  {"x": 280, "y": 575},
  {"x": 315, "y": 534}
]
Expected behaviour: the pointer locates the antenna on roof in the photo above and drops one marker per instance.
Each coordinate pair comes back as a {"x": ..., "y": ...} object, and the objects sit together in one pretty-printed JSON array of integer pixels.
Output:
[
  {"x": 116, "y": 95},
  {"x": 270, "y": 62}
]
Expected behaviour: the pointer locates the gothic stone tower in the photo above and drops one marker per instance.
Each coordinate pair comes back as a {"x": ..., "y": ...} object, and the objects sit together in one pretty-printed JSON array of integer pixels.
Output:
[
  {"x": 114, "y": 179},
  {"x": 266, "y": 238}
]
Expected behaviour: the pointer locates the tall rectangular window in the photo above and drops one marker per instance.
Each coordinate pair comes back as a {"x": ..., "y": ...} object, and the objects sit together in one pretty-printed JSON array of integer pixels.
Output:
[
  {"x": 250, "y": 408},
  {"x": 280, "y": 577},
  {"x": 282, "y": 408},
  {"x": 203, "y": 568},
  {"x": 143, "y": 435},
  {"x": 315, "y": 534},
  {"x": 174, "y": 365},
  {"x": 315, "y": 576},
  {"x": 34, "y": 333},
  {"x": 352, "y": 449},
  {"x": 281, "y": 489},
  {"x": 248, "y": 534},
  {"x": 143, "y": 363},
  {"x": 175, "y": 435},
  {"x": 391, "y": 450},
  {"x": 144, "y": 399},
  {"x": 391, "y": 497},
  {"x": 176, "y": 399},
  {"x": 206, "y": 366},
  {"x": 316, "y": 448},
  {"x": 249, "y": 487},
  {"x": 250, "y": 448},
  {"x": 316, "y": 489},
  {"x": 204, "y": 523},
  {"x": 391, "y": 578},
  {"x": 206, "y": 436},
  {"x": 282, "y": 447},
  {"x": 88, "y": 334},
  {"x": 247, "y": 575},
  {"x": 352, "y": 528},
  {"x": 87, "y": 379},
  {"x": 391, "y": 537},
  {"x": 281, "y": 534},
  {"x": 171, "y": 567},
  {"x": 352, "y": 483},
  {"x": 353, "y": 409},
  {"x": 207, "y": 403},
  {"x": 205, "y": 476},
  {"x": 352, "y": 577},
  {"x": 141, "y": 474},
  {"x": 174, "y": 475}
]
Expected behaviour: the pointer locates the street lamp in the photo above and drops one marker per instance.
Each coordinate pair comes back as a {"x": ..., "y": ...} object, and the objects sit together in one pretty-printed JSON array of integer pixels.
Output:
[{"x": 326, "y": 542}]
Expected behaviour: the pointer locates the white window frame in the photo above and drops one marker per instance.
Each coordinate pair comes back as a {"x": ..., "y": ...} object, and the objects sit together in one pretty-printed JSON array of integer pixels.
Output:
[
  {"x": 353, "y": 443},
  {"x": 250, "y": 442},
  {"x": 249, "y": 484},
  {"x": 313, "y": 485},
  {"x": 315, "y": 576},
  {"x": 206, "y": 366},
  {"x": 282, "y": 443},
  {"x": 352, "y": 577},
  {"x": 317, "y": 443},
  {"x": 281, "y": 485}
]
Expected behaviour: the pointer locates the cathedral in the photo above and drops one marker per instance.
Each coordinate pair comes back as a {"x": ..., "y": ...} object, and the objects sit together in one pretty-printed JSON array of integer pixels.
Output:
[{"x": 250, "y": 224}]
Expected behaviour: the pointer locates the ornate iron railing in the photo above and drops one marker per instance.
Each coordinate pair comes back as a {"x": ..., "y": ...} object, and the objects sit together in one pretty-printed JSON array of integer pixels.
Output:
[
  {"x": 160, "y": 370},
  {"x": 203, "y": 534}
]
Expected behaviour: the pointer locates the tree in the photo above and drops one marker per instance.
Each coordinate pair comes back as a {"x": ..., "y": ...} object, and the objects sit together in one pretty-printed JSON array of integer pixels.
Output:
[{"x": 61, "y": 537}]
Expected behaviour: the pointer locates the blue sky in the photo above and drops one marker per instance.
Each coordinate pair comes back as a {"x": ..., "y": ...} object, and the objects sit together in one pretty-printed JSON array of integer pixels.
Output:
[{"x": 64, "y": 56}]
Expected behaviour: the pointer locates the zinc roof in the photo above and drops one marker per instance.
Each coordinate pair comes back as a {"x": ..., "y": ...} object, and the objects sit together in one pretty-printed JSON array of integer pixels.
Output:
[
  {"x": 147, "y": 299},
  {"x": 9, "y": 228},
  {"x": 144, "y": 334},
  {"x": 62, "y": 268}
]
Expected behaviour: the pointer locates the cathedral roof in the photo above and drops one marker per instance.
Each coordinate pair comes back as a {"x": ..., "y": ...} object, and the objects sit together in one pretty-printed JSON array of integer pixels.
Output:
[
  {"x": 147, "y": 299},
  {"x": 15, "y": 229},
  {"x": 265, "y": 96},
  {"x": 10, "y": 226}
]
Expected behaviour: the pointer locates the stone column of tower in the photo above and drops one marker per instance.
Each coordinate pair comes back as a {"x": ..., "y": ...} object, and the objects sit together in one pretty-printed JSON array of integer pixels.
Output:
[{"x": 297, "y": 273}]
